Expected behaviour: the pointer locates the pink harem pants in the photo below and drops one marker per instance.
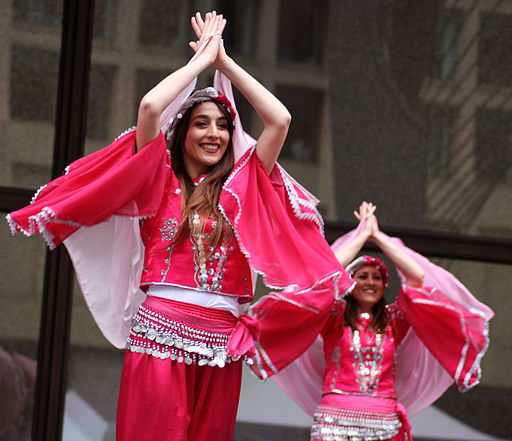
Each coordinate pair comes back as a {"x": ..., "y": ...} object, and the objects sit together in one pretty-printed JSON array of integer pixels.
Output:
[{"x": 165, "y": 399}]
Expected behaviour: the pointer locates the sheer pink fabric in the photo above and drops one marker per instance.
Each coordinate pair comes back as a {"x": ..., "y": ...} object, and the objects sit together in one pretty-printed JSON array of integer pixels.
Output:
[{"x": 449, "y": 336}]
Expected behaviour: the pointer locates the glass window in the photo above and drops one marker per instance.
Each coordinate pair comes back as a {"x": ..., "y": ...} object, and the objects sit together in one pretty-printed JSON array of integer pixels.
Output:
[
  {"x": 440, "y": 125},
  {"x": 30, "y": 63},
  {"x": 302, "y": 30},
  {"x": 93, "y": 381},
  {"x": 306, "y": 106},
  {"x": 33, "y": 74},
  {"x": 241, "y": 34},
  {"x": 429, "y": 136},
  {"x": 145, "y": 81},
  {"x": 45, "y": 12},
  {"x": 494, "y": 48},
  {"x": 28, "y": 132},
  {"x": 104, "y": 19},
  {"x": 494, "y": 145},
  {"x": 489, "y": 283},
  {"x": 402, "y": 129},
  {"x": 100, "y": 97},
  {"x": 22, "y": 272},
  {"x": 165, "y": 23},
  {"x": 449, "y": 27}
]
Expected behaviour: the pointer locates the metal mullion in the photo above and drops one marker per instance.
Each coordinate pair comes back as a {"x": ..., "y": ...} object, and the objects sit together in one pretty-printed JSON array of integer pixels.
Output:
[
  {"x": 70, "y": 130},
  {"x": 12, "y": 198}
]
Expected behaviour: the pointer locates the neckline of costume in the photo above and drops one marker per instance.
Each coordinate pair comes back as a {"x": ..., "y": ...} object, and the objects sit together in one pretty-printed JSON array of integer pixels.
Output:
[
  {"x": 365, "y": 316},
  {"x": 199, "y": 179}
]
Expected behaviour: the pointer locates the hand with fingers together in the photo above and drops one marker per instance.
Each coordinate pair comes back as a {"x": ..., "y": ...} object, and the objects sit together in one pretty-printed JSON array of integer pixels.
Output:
[
  {"x": 367, "y": 213},
  {"x": 209, "y": 31}
]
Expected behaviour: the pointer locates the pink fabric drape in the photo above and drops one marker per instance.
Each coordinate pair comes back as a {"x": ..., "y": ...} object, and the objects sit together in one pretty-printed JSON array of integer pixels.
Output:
[
  {"x": 86, "y": 195},
  {"x": 449, "y": 336},
  {"x": 290, "y": 252}
]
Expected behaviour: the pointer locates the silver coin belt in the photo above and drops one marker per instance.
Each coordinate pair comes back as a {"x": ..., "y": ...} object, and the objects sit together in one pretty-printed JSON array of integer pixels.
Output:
[
  {"x": 161, "y": 336},
  {"x": 331, "y": 424}
]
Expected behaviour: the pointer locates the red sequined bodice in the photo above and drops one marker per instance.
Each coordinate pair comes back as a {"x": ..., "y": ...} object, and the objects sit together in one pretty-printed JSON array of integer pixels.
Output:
[
  {"x": 362, "y": 362},
  {"x": 187, "y": 263}
]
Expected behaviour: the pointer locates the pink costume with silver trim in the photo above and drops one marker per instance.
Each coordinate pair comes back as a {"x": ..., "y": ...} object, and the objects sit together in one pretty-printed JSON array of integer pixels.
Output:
[
  {"x": 185, "y": 263},
  {"x": 96, "y": 208},
  {"x": 328, "y": 384},
  {"x": 359, "y": 394}
]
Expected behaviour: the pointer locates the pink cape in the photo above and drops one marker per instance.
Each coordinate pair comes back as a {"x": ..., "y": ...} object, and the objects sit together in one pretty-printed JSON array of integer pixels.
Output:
[
  {"x": 95, "y": 210},
  {"x": 448, "y": 338}
]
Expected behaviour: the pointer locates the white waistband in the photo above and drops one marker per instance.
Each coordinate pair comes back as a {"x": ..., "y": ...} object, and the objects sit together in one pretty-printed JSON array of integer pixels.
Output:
[{"x": 196, "y": 297}]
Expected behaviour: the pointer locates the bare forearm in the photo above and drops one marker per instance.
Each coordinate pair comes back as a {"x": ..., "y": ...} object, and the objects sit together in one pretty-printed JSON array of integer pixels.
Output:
[
  {"x": 268, "y": 107},
  {"x": 275, "y": 116},
  {"x": 157, "y": 99},
  {"x": 411, "y": 270},
  {"x": 349, "y": 252}
]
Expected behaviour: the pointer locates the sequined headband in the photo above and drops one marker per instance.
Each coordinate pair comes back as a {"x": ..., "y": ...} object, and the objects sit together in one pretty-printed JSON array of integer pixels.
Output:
[
  {"x": 369, "y": 260},
  {"x": 197, "y": 97}
]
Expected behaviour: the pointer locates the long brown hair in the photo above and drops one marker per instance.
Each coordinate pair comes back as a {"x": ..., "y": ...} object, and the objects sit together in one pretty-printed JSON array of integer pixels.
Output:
[
  {"x": 379, "y": 317},
  {"x": 201, "y": 199}
]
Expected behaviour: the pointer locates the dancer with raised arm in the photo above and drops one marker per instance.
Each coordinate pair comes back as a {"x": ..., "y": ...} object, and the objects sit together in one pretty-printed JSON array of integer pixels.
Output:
[
  {"x": 166, "y": 244},
  {"x": 375, "y": 363}
]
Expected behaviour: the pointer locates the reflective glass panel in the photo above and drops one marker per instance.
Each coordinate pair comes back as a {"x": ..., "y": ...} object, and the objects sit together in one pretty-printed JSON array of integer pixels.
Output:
[
  {"x": 302, "y": 31},
  {"x": 22, "y": 272},
  {"x": 240, "y": 36},
  {"x": 419, "y": 99},
  {"x": 29, "y": 62}
]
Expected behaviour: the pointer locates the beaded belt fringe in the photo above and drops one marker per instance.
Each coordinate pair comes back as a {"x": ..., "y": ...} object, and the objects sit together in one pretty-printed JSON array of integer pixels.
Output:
[
  {"x": 332, "y": 424},
  {"x": 161, "y": 336}
]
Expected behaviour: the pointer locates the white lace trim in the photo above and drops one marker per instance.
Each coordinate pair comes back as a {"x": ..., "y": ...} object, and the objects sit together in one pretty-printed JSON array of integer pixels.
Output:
[{"x": 38, "y": 224}]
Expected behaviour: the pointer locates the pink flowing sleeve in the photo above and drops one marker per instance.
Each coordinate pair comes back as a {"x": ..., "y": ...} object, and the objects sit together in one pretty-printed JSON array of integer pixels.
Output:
[
  {"x": 445, "y": 346},
  {"x": 302, "y": 380},
  {"x": 280, "y": 232},
  {"x": 111, "y": 181},
  {"x": 95, "y": 210}
]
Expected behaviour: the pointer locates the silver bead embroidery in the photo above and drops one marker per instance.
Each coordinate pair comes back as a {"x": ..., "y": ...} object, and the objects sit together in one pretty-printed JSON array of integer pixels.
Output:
[
  {"x": 367, "y": 362},
  {"x": 209, "y": 271}
]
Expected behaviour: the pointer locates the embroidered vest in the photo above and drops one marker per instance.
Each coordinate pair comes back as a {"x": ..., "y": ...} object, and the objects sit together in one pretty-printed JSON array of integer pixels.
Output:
[
  {"x": 363, "y": 362},
  {"x": 185, "y": 263}
]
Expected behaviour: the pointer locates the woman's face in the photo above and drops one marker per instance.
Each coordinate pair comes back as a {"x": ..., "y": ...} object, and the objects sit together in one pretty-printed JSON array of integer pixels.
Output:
[
  {"x": 369, "y": 287},
  {"x": 206, "y": 140}
]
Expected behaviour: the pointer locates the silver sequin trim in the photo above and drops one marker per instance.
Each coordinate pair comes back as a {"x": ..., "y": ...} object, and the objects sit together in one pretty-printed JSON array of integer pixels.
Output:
[
  {"x": 159, "y": 336},
  {"x": 332, "y": 424}
]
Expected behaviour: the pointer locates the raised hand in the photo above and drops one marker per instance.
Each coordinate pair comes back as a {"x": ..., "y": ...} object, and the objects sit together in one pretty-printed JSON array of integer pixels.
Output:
[
  {"x": 366, "y": 213},
  {"x": 212, "y": 27}
]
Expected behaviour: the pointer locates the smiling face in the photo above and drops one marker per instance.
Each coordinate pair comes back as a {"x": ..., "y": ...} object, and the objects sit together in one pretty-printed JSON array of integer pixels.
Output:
[
  {"x": 369, "y": 288},
  {"x": 207, "y": 139}
]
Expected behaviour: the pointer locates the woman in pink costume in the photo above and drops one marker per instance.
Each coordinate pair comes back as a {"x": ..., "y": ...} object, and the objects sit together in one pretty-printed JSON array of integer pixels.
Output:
[
  {"x": 166, "y": 245},
  {"x": 376, "y": 363}
]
